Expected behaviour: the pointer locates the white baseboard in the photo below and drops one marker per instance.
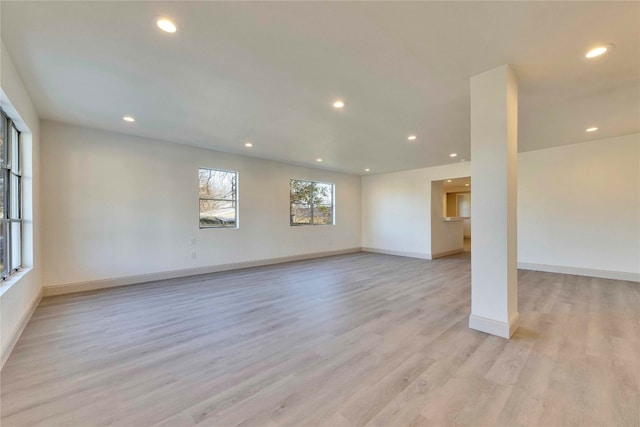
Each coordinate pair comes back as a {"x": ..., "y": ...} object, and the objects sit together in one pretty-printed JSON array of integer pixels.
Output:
[
  {"x": 26, "y": 316},
  {"x": 495, "y": 327},
  {"x": 421, "y": 255},
  {"x": 69, "y": 288},
  {"x": 447, "y": 253},
  {"x": 590, "y": 272}
]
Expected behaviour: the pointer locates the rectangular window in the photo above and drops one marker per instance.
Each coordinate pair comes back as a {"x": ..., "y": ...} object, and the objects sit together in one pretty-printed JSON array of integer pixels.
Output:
[
  {"x": 218, "y": 198},
  {"x": 311, "y": 203},
  {"x": 10, "y": 197}
]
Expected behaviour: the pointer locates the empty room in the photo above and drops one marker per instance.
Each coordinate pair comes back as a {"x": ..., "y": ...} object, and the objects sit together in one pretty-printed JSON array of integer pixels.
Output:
[{"x": 333, "y": 214}]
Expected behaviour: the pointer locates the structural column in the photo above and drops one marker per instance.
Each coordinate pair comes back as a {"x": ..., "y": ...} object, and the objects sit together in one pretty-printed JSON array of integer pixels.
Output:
[{"x": 494, "y": 150}]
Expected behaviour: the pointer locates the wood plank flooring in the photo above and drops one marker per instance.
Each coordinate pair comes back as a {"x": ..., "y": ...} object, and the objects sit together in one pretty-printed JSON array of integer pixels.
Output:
[{"x": 354, "y": 340}]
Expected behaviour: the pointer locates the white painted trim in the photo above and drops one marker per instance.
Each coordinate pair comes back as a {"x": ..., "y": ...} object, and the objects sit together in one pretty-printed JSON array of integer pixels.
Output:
[
  {"x": 13, "y": 279},
  {"x": 421, "y": 255},
  {"x": 151, "y": 277},
  {"x": 495, "y": 327},
  {"x": 578, "y": 271},
  {"x": 447, "y": 253},
  {"x": 26, "y": 316}
]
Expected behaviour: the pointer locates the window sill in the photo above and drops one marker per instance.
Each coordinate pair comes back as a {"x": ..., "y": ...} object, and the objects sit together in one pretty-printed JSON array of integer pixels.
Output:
[
  {"x": 7, "y": 284},
  {"x": 311, "y": 225}
]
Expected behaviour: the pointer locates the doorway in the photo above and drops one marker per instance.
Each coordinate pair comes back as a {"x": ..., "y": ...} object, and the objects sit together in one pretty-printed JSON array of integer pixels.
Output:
[{"x": 457, "y": 199}]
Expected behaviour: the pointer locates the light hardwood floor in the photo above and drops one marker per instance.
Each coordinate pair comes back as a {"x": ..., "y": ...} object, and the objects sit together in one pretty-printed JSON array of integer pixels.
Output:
[{"x": 353, "y": 340}]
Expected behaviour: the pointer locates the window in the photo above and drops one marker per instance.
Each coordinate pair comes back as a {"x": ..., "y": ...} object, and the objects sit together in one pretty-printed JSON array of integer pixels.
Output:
[
  {"x": 218, "y": 198},
  {"x": 10, "y": 198},
  {"x": 311, "y": 203}
]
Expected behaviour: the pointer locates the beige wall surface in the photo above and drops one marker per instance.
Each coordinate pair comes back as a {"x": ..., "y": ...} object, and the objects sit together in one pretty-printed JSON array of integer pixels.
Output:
[
  {"x": 578, "y": 207},
  {"x": 397, "y": 209},
  {"x": 20, "y": 293},
  {"x": 124, "y": 206}
]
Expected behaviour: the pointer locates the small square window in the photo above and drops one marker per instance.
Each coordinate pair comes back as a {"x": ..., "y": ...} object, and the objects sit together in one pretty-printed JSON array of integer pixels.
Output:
[
  {"x": 218, "y": 198},
  {"x": 311, "y": 203}
]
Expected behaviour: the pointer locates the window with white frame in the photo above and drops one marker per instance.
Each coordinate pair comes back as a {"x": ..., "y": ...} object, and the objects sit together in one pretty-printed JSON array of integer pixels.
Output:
[
  {"x": 10, "y": 198},
  {"x": 218, "y": 198},
  {"x": 311, "y": 203}
]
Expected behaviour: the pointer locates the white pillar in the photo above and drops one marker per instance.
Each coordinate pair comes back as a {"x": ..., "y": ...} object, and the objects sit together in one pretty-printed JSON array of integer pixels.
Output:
[{"x": 494, "y": 151}]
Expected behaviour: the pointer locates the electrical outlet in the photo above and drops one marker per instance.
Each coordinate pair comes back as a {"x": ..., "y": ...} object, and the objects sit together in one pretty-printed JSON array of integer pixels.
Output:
[{"x": 193, "y": 241}]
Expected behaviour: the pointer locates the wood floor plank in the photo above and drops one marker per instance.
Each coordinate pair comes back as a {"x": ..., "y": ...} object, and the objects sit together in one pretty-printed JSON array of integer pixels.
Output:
[{"x": 351, "y": 340}]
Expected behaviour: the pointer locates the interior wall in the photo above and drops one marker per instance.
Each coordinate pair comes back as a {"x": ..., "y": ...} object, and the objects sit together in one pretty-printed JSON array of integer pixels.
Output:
[
  {"x": 397, "y": 209},
  {"x": 124, "y": 206},
  {"x": 452, "y": 202},
  {"x": 20, "y": 293},
  {"x": 466, "y": 230},
  {"x": 578, "y": 208},
  {"x": 463, "y": 208},
  {"x": 446, "y": 236},
  {"x": 452, "y": 207}
]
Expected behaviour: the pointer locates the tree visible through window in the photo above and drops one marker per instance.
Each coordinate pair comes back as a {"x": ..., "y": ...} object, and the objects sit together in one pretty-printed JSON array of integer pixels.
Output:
[
  {"x": 311, "y": 203},
  {"x": 218, "y": 198}
]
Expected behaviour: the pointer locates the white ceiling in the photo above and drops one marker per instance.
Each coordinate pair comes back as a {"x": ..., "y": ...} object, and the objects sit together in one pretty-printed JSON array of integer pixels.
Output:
[
  {"x": 268, "y": 72},
  {"x": 457, "y": 184}
]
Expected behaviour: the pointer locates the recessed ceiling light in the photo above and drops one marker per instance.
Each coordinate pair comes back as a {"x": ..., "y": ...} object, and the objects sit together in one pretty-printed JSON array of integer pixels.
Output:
[
  {"x": 466, "y": 185},
  {"x": 448, "y": 180},
  {"x": 593, "y": 129},
  {"x": 597, "y": 51},
  {"x": 453, "y": 155},
  {"x": 339, "y": 104},
  {"x": 248, "y": 144},
  {"x": 166, "y": 25},
  {"x": 411, "y": 137},
  {"x": 128, "y": 119},
  {"x": 318, "y": 160},
  {"x": 367, "y": 170}
]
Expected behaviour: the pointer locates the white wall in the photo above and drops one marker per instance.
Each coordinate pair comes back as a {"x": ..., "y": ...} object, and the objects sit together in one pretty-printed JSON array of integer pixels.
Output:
[
  {"x": 579, "y": 206},
  {"x": 20, "y": 293},
  {"x": 466, "y": 228},
  {"x": 120, "y": 206},
  {"x": 397, "y": 209}
]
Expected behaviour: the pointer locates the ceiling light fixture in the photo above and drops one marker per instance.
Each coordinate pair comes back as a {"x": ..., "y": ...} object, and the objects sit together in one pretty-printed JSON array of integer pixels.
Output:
[
  {"x": 592, "y": 129},
  {"x": 597, "y": 51},
  {"x": 412, "y": 137},
  {"x": 248, "y": 144},
  {"x": 318, "y": 160},
  {"x": 367, "y": 170},
  {"x": 339, "y": 104},
  {"x": 128, "y": 119},
  {"x": 453, "y": 155},
  {"x": 166, "y": 25}
]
